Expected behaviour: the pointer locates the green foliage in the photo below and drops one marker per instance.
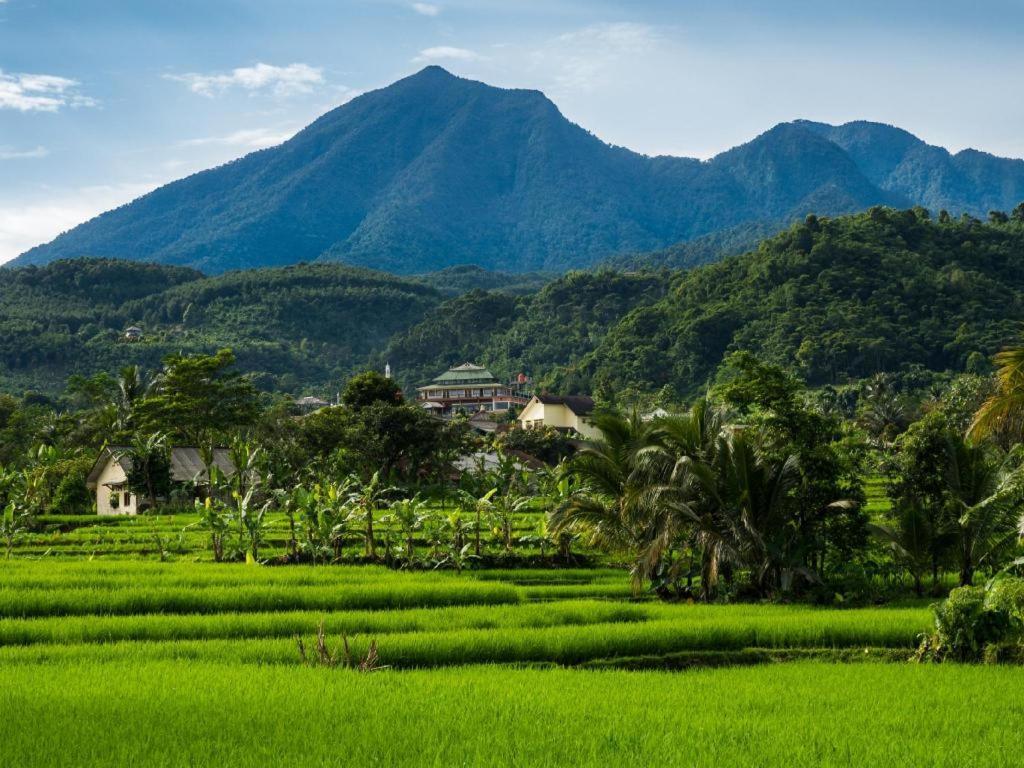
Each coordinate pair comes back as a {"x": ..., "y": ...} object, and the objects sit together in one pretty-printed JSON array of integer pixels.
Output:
[
  {"x": 543, "y": 335},
  {"x": 545, "y": 443},
  {"x": 845, "y": 299},
  {"x": 973, "y": 622},
  {"x": 369, "y": 388},
  {"x": 199, "y": 396}
]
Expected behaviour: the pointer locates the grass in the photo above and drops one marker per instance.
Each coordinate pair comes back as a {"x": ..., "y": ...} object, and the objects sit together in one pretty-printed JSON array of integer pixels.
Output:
[
  {"x": 121, "y": 659},
  {"x": 793, "y": 715}
]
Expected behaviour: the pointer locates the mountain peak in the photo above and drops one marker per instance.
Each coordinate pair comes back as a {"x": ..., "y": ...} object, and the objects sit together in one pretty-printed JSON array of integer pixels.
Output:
[{"x": 436, "y": 170}]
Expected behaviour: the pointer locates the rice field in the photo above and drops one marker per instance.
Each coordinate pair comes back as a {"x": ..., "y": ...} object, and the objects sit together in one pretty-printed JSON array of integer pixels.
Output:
[
  {"x": 793, "y": 715},
  {"x": 121, "y": 659}
]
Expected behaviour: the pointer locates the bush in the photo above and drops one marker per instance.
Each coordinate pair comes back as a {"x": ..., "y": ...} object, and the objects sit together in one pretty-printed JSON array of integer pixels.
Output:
[
  {"x": 979, "y": 624},
  {"x": 545, "y": 443}
]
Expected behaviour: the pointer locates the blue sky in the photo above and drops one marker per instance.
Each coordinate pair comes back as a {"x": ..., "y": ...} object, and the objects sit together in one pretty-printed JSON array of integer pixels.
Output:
[{"x": 102, "y": 100}]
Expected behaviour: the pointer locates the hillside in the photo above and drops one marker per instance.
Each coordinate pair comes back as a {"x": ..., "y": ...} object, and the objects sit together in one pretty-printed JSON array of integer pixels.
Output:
[
  {"x": 435, "y": 171},
  {"x": 541, "y": 334},
  {"x": 835, "y": 299},
  {"x": 300, "y": 328}
]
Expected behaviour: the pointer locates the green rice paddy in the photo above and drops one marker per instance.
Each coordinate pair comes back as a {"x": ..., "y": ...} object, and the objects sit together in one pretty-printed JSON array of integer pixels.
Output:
[{"x": 112, "y": 658}]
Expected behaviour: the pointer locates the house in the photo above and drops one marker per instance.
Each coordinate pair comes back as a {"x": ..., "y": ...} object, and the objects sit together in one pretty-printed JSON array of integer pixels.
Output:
[
  {"x": 108, "y": 478},
  {"x": 569, "y": 413},
  {"x": 133, "y": 333},
  {"x": 470, "y": 388},
  {"x": 657, "y": 413},
  {"x": 309, "y": 404}
]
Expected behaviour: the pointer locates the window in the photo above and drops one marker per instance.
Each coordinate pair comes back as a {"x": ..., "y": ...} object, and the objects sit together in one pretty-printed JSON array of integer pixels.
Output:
[{"x": 127, "y": 499}]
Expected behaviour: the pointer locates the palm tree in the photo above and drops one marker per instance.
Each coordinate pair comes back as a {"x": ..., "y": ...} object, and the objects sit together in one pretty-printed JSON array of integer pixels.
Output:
[
  {"x": 983, "y": 496},
  {"x": 1003, "y": 412},
  {"x": 131, "y": 387},
  {"x": 914, "y": 540},
  {"x": 615, "y": 505},
  {"x": 150, "y": 466}
]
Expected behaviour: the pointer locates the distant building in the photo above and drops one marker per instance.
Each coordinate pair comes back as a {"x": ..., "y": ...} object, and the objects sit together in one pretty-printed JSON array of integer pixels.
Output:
[
  {"x": 109, "y": 476},
  {"x": 309, "y": 404},
  {"x": 657, "y": 413},
  {"x": 470, "y": 388},
  {"x": 132, "y": 333},
  {"x": 568, "y": 413}
]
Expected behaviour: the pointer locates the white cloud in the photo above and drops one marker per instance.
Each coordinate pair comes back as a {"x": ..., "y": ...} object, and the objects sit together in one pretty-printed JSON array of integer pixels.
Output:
[
  {"x": 282, "y": 81},
  {"x": 40, "y": 93},
  {"x": 26, "y": 225},
  {"x": 581, "y": 60},
  {"x": 426, "y": 9},
  {"x": 447, "y": 52},
  {"x": 8, "y": 153},
  {"x": 253, "y": 138}
]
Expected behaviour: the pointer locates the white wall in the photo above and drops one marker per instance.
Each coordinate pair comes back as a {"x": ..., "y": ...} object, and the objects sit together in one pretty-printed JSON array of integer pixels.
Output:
[{"x": 113, "y": 474}]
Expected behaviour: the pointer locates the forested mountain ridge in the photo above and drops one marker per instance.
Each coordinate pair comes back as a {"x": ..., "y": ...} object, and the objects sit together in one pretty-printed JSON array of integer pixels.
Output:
[
  {"x": 297, "y": 329},
  {"x": 435, "y": 171},
  {"x": 542, "y": 334},
  {"x": 835, "y": 299}
]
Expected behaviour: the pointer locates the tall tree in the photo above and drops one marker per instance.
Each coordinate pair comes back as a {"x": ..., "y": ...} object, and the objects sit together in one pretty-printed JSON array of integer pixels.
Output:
[{"x": 199, "y": 398}]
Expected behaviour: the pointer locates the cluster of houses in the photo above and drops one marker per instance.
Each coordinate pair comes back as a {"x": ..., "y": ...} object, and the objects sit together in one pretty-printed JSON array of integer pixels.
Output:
[
  {"x": 466, "y": 389},
  {"x": 474, "y": 390}
]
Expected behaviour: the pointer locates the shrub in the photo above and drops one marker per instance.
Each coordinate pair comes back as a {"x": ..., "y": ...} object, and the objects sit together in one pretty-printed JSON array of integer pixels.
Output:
[{"x": 978, "y": 624}]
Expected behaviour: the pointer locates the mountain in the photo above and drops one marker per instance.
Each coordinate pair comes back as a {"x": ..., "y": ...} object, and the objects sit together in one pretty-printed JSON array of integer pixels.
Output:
[
  {"x": 834, "y": 299},
  {"x": 435, "y": 171}
]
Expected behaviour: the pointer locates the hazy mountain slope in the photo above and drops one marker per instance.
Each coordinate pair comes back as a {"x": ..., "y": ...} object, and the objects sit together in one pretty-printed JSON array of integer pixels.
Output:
[{"x": 435, "y": 171}]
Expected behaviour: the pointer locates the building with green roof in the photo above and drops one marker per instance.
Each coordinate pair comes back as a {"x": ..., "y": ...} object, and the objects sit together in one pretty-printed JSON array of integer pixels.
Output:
[{"x": 471, "y": 388}]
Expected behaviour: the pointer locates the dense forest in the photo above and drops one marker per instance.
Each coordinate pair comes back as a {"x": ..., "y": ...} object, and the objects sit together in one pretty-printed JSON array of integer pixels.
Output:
[{"x": 834, "y": 299}]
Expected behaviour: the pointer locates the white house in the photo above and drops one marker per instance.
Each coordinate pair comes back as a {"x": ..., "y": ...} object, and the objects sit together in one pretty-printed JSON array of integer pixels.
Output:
[
  {"x": 109, "y": 476},
  {"x": 570, "y": 413}
]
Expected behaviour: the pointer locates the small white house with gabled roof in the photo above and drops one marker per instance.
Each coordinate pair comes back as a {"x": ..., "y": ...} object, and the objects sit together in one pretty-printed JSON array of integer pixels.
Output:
[{"x": 108, "y": 478}]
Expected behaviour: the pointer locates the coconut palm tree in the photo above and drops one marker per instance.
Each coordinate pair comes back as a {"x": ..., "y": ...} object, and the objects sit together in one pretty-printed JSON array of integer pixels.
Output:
[
  {"x": 1002, "y": 414},
  {"x": 615, "y": 505},
  {"x": 984, "y": 495},
  {"x": 914, "y": 539}
]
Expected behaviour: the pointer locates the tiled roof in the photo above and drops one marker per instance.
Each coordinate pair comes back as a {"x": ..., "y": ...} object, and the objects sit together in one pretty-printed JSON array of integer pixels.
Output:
[
  {"x": 466, "y": 372},
  {"x": 581, "y": 405}
]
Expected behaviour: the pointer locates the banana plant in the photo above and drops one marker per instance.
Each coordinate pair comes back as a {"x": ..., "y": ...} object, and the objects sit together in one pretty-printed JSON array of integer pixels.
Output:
[
  {"x": 504, "y": 512},
  {"x": 409, "y": 515},
  {"x": 215, "y": 517},
  {"x": 480, "y": 506}
]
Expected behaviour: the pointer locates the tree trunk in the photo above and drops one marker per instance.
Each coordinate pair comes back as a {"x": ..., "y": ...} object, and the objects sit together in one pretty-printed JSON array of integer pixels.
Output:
[
  {"x": 709, "y": 575},
  {"x": 966, "y": 571},
  {"x": 371, "y": 547},
  {"x": 478, "y": 531}
]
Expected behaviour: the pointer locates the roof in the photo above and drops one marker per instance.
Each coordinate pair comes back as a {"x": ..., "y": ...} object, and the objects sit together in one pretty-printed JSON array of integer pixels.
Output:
[
  {"x": 309, "y": 400},
  {"x": 581, "y": 405},
  {"x": 465, "y": 372},
  {"x": 186, "y": 463}
]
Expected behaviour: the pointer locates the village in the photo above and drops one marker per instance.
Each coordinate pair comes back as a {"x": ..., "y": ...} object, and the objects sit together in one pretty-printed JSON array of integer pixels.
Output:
[{"x": 466, "y": 392}]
